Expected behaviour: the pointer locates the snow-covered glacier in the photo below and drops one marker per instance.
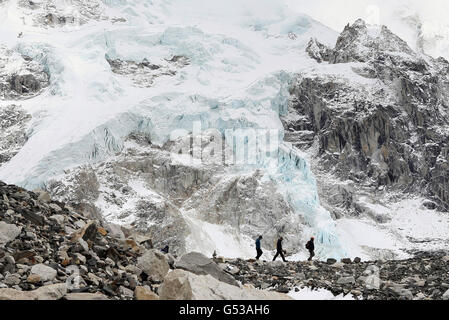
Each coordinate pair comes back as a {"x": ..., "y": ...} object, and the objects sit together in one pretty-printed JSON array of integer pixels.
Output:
[{"x": 119, "y": 68}]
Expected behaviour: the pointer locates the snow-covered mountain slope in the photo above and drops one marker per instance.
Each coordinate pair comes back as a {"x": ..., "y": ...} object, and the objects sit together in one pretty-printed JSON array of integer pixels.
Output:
[
  {"x": 230, "y": 63},
  {"x": 125, "y": 76}
]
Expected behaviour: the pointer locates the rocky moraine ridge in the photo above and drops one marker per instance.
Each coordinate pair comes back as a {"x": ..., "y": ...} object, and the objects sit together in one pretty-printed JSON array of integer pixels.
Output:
[
  {"x": 48, "y": 251},
  {"x": 423, "y": 277}
]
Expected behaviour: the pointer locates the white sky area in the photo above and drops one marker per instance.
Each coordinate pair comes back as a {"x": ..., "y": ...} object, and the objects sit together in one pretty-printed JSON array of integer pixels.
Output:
[{"x": 337, "y": 13}]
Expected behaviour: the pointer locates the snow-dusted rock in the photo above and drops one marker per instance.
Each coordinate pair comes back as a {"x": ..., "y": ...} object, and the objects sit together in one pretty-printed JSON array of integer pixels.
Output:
[
  {"x": 53, "y": 13},
  {"x": 144, "y": 73},
  {"x": 20, "y": 76},
  {"x": 361, "y": 116},
  {"x": 13, "y": 133}
]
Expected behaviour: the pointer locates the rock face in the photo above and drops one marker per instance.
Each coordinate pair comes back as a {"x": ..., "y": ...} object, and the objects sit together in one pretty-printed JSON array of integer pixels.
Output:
[
  {"x": 51, "y": 14},
  {"x": 199, "y": 264},
  {"x": 377, "y": 114},
  {"x": 20, "y": 76},
  {"x": 157, "y": 190},
  {"x": 13, "y": 131},
  {"x": 183, "y": 285},
  {"x": 144, "y": 73}
]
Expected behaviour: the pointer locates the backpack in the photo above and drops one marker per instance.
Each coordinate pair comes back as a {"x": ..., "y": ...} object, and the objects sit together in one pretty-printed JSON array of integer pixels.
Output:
[{"x": 308, "y": 245}]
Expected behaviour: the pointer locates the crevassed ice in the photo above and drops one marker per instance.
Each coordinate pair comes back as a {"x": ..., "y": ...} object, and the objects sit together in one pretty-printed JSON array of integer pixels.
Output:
[{"x": 242, "y": 55}]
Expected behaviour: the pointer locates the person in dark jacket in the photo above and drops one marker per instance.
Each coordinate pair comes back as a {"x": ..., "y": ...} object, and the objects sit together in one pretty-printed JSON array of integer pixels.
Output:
[
  {"x": 258, "y": 248},
  {"x": 311, "y": 247},
  {"x": 165, "y": 249},
  {"x": 279, "y": 250}
]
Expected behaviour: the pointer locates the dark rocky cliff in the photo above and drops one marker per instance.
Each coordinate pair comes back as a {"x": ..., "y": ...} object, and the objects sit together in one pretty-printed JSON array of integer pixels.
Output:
[{"x": 378, "y": 112}]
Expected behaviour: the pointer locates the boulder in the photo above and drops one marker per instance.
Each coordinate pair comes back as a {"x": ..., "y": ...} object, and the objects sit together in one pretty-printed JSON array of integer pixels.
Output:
[
  {"x": 331, "y": 261},
  {"x": 51, "y": 292},
  {"x": 126, "y": 293},
  {"x": 154, "y": 264},
  {"x": 170, "y": 259},
  {"x": 446, "y": 295},
  {"x": 8, "y": 232},
  {"x": 90, "y": 232},
  {"x": 34, "y": 278},
  {"x": 12, "y": 279},
  {"x": 144, "y": 293},
  {"x": 346, "y": 280},
  {"x": 184, "y": 285},
  {"x": 59, "y": 218},
  {"x": 402, "y": 292},
  {"x": 86, "y": 296},
  {"x": 339, "y": 265},
  {"x": 46, "y": 273},
  {"x": 199, "y": 264},
  {"x": 115, "y": 231},
  {"x": 13, "y": 294},
  {"x": 43, "y": 196},
  {"x": 55, "y": 207}
]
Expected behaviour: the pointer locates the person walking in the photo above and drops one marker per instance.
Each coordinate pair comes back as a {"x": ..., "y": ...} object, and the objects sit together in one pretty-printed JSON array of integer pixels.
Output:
[
  {"x": 258, "y": 248},
  {"x": 311, "y": 247},
  {"x": 165, "y": 249},
  {"x": 279, "y": 250}
]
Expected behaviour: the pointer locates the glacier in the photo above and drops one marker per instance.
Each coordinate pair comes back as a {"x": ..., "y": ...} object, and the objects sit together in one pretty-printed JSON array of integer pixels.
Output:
[{"x": 242, "y": 58}]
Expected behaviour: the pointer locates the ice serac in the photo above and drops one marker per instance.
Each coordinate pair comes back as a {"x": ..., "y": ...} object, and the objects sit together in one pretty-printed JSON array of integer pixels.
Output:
[{"x": 299, "y": 186}]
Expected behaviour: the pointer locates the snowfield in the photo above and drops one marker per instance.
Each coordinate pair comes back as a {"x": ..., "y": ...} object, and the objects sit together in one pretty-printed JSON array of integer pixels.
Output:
[{"x": 319, "y": 294}]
